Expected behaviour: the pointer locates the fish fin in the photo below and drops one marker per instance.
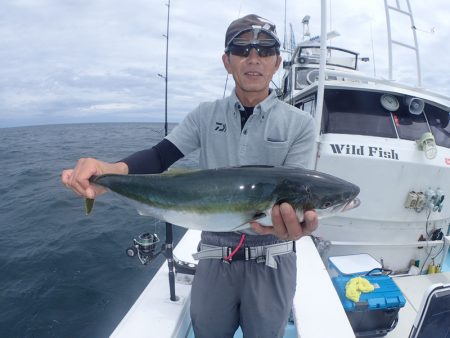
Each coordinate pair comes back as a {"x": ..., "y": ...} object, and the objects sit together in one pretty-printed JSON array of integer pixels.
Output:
[
  {"x": 246, "y": 225},
  {"x": 258, "y": 216},
  {"x": 177, "y": 171},
  {"x": 242, "y": 227},
  {"x": 88, "y": 205},
  {"x": 254, "y": 166}
]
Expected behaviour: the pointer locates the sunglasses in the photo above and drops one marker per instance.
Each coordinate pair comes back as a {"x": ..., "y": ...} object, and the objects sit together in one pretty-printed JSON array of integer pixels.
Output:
[{"x": 244, "y": 51}]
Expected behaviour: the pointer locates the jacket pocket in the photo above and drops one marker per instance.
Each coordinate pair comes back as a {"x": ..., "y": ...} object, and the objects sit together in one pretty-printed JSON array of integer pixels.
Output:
[{"x": 275, "y": 152}]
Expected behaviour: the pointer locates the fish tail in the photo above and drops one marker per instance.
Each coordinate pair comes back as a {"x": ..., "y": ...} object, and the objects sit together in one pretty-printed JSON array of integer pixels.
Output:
[{"x": 88, "y": 205}]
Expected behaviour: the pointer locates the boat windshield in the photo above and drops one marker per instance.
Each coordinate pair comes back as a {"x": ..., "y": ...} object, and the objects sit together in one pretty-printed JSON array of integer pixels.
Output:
[
  {"x": 438, "y": 119},
  {"x": 361, "y": 113},
  {"x": 335, "y": 57}
]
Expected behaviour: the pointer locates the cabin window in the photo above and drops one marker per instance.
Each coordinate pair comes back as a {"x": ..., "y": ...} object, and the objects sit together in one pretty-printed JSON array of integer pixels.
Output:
[
  {"x": 286, "y": 86},
  {"x": 361, "y": 113},
  {"x": 307, "y": 104},
  {"x": 301, "y": 77},
  {"x": 334, "y": 57},
  {"x": 409, "y": 126},
  {"x": 356, "y": 112},
  {"x": 439, "y": 124}
]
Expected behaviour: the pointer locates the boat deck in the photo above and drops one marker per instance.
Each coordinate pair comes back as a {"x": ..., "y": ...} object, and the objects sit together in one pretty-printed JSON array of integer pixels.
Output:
[
  {"x": 413, "y": 288},
  {"x": 316, "y": 301}
]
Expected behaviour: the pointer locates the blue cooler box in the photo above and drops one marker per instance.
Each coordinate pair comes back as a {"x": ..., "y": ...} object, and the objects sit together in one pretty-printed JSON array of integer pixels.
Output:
[{"x": 376, "y": 313}]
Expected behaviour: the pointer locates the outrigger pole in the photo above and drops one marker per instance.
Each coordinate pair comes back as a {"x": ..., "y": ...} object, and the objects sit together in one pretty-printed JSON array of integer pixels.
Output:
[
  {"x": 167, "y": 67},
  {"x": 169, "y": 231},
  {"x": 321, "y": 83}
]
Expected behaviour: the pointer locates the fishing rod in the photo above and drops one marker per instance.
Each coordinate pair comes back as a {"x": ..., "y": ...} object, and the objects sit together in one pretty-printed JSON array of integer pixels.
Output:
[
  {"x": 169, "y": 228},
  {"x": 166, "y": 79},
  {"x": 145, "y": 245}
]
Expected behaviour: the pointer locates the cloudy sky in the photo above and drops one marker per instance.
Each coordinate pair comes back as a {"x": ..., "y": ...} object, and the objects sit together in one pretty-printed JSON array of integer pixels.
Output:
[{"x": 69, "y": 61}]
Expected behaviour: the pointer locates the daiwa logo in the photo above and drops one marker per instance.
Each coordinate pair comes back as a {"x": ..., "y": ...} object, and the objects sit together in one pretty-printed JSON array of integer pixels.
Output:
[
  {"x": 361, "y": 150},
  {"x": 221, "y": 127}
]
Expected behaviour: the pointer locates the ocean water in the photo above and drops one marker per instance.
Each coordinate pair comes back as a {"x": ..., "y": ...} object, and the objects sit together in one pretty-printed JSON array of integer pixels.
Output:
[{"x": 62, "y": 273}]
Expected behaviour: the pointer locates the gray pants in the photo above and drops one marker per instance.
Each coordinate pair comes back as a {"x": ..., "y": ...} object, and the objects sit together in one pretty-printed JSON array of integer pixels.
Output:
[{"x": 247, "y": 294}]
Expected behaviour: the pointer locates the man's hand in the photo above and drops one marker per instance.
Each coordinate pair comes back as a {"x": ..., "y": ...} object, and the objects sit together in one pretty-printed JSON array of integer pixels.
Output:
[
  {"x": 77, "y": 178},
  {"x": 286, "y": 225}
]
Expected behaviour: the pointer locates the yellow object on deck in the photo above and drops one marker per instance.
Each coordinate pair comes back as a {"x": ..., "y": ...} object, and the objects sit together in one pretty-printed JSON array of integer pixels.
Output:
[
  {"x": 355, "y": 286},
  {"x": 432, "y": 268}
]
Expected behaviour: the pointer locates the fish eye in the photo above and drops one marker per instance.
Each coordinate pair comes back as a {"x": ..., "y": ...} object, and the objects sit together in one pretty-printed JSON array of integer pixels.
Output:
[{"x": 327, "y": 204}]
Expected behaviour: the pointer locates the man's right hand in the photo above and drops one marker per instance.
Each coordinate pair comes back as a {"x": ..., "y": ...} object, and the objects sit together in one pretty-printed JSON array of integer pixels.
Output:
[{"x": 77, "y": 178}]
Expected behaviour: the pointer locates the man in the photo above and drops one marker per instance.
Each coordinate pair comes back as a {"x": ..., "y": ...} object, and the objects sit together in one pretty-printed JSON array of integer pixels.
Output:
[{"x": 251, "y": 126}]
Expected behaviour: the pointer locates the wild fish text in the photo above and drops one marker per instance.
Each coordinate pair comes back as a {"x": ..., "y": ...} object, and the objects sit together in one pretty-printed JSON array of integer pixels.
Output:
[{"x": 361, "y": 150}]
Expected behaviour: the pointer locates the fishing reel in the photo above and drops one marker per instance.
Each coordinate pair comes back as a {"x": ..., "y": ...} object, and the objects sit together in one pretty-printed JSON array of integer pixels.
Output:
[{"x": 145, "y": 247}]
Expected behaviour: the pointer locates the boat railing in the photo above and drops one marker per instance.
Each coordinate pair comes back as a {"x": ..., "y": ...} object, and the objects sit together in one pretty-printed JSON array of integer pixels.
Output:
[
  {"x": 435, "y": 252},
  {"x": 444, "y": 241},
  {"x": 369, "y": 79},
  {"x": 316, "y": 301}
]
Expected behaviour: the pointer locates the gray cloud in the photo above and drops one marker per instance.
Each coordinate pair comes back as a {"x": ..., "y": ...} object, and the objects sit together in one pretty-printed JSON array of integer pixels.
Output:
[{"x": 85, "y": 61}]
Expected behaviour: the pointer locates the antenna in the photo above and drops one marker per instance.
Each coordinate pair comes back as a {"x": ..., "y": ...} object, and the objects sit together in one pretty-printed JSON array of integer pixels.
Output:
[
  {"x": 226, "y": 80},
  {"x": 292, "y": 42},
  {"x": 225, "y": 88},
  {"x": 331, "y": 23},
  {"x": 431, "y": 31},
  {"x": 285, "y": 33},
  {"x": 305, "y": 23},
  {"x": 373, "y": 51}
]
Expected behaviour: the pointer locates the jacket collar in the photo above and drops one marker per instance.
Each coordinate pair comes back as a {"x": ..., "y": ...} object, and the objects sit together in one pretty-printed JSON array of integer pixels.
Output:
[{"x": 262, "y": 107}]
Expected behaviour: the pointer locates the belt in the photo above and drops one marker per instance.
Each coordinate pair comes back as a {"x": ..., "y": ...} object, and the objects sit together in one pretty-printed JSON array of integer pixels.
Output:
[{"x": 261, "y": 254}]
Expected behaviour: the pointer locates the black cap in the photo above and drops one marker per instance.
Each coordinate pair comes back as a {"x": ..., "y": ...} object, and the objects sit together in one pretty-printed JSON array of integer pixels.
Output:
[{"x": 250, "y": 22}]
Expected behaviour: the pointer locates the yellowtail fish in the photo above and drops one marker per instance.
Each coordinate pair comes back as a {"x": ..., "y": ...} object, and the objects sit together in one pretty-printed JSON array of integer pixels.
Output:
[{"x": 227, "y": 199}]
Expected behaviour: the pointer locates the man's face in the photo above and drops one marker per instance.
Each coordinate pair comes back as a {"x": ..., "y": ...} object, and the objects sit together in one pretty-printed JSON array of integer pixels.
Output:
[{"x": 252, "y": 73}]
